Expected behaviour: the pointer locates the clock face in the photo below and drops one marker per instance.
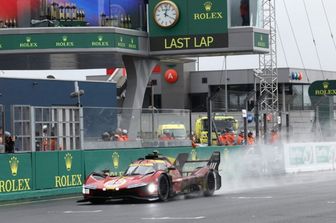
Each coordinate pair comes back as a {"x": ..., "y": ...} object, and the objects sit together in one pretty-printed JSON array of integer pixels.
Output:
[{"x": 166, "y": 14}]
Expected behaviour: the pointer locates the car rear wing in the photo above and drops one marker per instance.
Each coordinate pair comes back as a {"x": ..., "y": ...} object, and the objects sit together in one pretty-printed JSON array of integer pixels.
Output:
[{"x": 212, "y": 163}]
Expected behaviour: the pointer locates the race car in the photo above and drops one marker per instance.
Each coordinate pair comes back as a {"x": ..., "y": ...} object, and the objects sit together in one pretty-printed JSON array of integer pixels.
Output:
[{"x": 155, "y": 177}]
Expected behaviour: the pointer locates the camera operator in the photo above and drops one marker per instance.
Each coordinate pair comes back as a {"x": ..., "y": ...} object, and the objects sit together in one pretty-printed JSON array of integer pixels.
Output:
[{"x": 9, "y": 142}]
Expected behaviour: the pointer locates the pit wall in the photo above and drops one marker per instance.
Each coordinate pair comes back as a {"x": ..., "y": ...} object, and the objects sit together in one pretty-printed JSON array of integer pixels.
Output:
[
  {"x": 41, "y": 174},
  {"x": 304, "y": 157}
]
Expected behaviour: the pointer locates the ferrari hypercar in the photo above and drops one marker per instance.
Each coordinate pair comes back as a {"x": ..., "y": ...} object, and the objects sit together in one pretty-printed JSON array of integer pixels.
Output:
[{"x": 155, "y": 177}]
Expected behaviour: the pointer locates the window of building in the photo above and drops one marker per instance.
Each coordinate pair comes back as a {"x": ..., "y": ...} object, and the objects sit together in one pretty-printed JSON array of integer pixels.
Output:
[
  {"x": 297, "y": 102},
  {"x": 306, "y": 99},
  {"x": 245, "y": 13},
  {"x": 22, "y": 127},
  {"x": 198, "y": 102},
  {"x": 46, "y": 128},
  {"x": 204, "y": 80}
]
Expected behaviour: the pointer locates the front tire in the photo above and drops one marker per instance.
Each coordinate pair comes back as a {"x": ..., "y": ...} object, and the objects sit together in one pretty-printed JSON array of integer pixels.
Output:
[
  {"x": 163, "y": 187},
  {"x": 209, "y": 184}
]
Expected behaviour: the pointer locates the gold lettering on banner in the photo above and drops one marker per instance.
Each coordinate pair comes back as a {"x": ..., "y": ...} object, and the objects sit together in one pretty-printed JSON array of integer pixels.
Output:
[
  {"x": 68, "y": 180},
  {"x": 203, "y": 42},
  {"x": 100, "y": 42},
  {"x": 208, "y": 16},
  {"x": 325, "y": 92},
  {"x": 28, "y": 43},
  {"x": 14, "y": 185},
  {"x": 188, "y": 42}
]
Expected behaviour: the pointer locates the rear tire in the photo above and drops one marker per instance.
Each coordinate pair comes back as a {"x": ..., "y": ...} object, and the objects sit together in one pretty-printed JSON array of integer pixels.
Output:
[
  {"x": 209, "y": 184},
  {"x": 163, "y": 187}
]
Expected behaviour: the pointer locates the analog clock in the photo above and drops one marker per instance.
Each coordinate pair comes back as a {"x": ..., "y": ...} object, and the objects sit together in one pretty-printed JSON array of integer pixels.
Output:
[{"x": 166, "y": 14}]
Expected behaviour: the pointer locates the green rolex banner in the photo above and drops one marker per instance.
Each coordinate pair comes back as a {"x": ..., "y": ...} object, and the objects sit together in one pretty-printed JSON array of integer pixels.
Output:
[
  {"x": 188, "y": 24},
  {"x": 67, "y": 41},
  {"x": 15, "y": 173}
]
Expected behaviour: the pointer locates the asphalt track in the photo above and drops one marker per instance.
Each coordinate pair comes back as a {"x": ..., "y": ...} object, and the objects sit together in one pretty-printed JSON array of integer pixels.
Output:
[{"x": 299, "y": 198}]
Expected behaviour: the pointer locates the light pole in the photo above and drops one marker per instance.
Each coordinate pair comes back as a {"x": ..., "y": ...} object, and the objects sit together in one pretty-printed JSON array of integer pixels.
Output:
[
  {"x": 226, "y": 87},
  {"x": 77, "y": 94}
]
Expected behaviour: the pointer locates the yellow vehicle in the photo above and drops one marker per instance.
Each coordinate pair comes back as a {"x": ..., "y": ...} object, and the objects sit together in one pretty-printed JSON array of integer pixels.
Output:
[
  {"x": 176, "y": 131},
  {"x": 221, "y": 122}
]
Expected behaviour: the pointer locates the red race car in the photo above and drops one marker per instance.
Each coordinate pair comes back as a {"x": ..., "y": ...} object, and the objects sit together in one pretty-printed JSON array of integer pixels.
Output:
[{"x": 155, "y": 178}]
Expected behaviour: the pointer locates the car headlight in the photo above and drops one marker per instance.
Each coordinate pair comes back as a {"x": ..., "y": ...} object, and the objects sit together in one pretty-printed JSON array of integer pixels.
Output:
[
  {"x": 136, "y": 185},
  {"x": 151, "y": 188}
]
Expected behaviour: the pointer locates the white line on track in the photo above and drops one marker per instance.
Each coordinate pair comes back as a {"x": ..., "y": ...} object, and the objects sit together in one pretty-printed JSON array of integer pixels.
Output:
[
  {"x": 174, "y": 218},
  {"x": 331, "y": 202},
  {"x": 80, "y": 212},
  {"x": 266, "y": 197},
  {"x": 37, "y": 201}
]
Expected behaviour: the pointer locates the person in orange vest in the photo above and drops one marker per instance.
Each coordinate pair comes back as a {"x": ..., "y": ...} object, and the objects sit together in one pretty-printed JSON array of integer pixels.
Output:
[
  {"x": 274, "y": 136},
  {"x": 245, "y": 12},
  {"x": 222, "y": 138},
  {"x": 250, "y": 138},
  {"x": 227, "y": 138},
  {"x": 117, "y": 135},
  {"x": 166, "y": 136},
  {"x": 53, "y": 142},
  {"x": 231, "y": 138},
  {"x": 193, "y": 140},
  {"x": 124, "y": 135},
  {"x": 240, "y": 138}
]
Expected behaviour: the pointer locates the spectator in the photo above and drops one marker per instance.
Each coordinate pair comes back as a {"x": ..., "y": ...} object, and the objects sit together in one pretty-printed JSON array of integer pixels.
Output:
[
  {"x": 117, "y": 135},
  {"x": 1, "y": 136},
  {"x": 53, "y": 141},
  {"x": 9, "y": 142},
  {"x": 245, "y": 12},
  {"x": 250, "y": 138},
  {"x": 227, "y": 138},
  {"x": 124, "y": 135},
  {"x": 274, "y": 136},
  {"x": 44, "y": 137},
  {"x": 166, "y": 136},
  {"x": 240, "y": 138},
  {"x": 106, "y": 136}
]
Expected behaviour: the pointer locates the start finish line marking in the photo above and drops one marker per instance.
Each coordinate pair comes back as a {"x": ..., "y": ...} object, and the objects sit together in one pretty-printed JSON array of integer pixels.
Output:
[{"x": 174, "y": 218}]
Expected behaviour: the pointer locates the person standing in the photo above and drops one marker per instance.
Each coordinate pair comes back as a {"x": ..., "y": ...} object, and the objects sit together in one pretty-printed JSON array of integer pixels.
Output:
[
  {"x": 245, "y": 12},
  {"x": 9, "y": 142},
  {"x": 240, "y": 138},
  {"x": 250, "y": 138}
]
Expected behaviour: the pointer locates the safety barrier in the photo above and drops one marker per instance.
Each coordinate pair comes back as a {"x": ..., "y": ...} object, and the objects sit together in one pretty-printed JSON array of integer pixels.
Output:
[
  {"x": 38, "y": 174},
  {"x": 302, "y": 157}
]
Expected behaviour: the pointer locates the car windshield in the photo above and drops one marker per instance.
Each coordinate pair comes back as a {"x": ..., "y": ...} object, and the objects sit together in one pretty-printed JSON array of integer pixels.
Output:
[
  {"x": 220, "y": 124},
  {"x": 139, "y": 169},
  {"x": 177, "y": 133}
]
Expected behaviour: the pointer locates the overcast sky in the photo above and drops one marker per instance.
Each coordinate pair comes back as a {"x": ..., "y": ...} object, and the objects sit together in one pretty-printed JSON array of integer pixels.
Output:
[{"x": 297, "y": 15}]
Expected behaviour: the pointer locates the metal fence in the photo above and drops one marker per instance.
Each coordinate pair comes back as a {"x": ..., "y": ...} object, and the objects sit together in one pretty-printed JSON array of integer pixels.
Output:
[
  {"x": 71, "y": 128},
  {"x": 142, "y": 127}
]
